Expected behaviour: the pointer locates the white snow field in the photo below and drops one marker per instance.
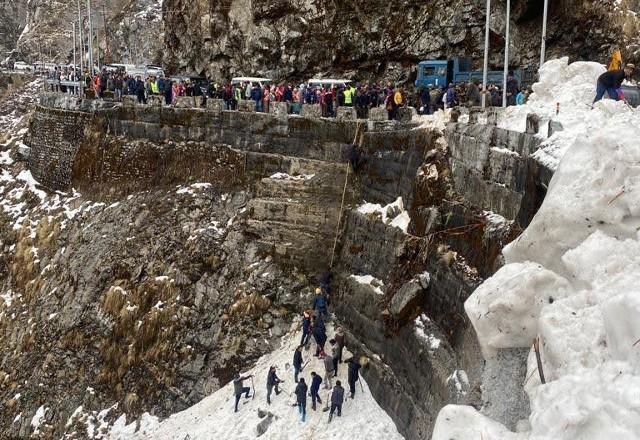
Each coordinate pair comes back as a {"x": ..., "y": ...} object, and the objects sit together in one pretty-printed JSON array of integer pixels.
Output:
[
  {"x": 571, "y": 279},
  {"x": 213, "y": 417}
]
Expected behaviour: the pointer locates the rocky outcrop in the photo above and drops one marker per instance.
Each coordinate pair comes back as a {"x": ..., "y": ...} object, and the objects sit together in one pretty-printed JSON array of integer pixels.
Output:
[{"x": 370, "y": 39}]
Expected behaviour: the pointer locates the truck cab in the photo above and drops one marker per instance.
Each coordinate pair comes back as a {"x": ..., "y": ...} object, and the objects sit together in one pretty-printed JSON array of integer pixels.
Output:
[{"x": 436, "y": 73}]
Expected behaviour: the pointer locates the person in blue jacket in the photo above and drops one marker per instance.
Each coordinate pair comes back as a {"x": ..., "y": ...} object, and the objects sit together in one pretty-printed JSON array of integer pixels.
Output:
[
  {"x": 316, "y": 381},
  {"x": 320, "y": 304}
]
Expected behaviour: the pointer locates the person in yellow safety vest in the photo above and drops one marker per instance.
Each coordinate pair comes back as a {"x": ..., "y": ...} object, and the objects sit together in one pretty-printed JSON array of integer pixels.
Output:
[
  {"x": 348, "y": 97},
  {"x": 154, "y": 87}
]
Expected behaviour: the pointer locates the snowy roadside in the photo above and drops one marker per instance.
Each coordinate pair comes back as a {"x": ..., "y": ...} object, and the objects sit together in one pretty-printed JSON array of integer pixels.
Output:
[
  {"x": 214, "y": 417},
  {"x": 571, "y": 280}
]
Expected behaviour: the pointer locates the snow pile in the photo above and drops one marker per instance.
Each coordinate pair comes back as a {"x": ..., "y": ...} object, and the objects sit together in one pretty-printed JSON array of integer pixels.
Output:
[
  {"x": 285, "y": 176},
  {"x": 422, "y": 331},
  {"x": 38, "y": 419},
  {"x": 569, "y": 88},
  {"x": 571, "y": 279},
  {"x": 214, "y": 417},
  {"x": 392, "y": 214},
  {"x": 436, "y": 121},
  {"x": 369, "y": 280}
]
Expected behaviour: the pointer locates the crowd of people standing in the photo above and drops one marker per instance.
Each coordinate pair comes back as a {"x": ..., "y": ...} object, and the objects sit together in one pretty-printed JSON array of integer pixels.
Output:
[
  {"x": 469, "y": 94},
  {"x": 361, "y": 96}
]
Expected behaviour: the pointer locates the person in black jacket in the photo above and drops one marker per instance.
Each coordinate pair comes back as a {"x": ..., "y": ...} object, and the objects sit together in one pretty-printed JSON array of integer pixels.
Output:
[
  {"x": 354, "y": 367},
  {"x": 272, "y": 381},
  {"x": 306, "y": 328},
  {"x": 140, "y": 90},
  {"x": 297, "y": 362},
  {"x": 320, "y": 335},
  {"x": 301, "y": 398},
  {"x": 316, "y": 380},
  {"x": 337, "y": 397},
  {"x": 611, "y": 81}
]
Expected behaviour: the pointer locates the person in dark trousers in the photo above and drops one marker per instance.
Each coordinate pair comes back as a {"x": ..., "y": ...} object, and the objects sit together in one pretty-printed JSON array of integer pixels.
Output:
[
  {"x": 239, "y": 389},
  {"x": 320, "y": 304},
  {"x": 512, "y": 88},
  {"x": 320, "y": 335},
  {"x": 316, "y": 381},
  {"x": 329, "y": 371},
  {"x": 140, "y": 89},
  {"x": 474, "y": 98},
  {"x": 272, "y": 381},
  {"x": 337, "y": 398},
  {"x": 611, "y": 81},
  {"x": 354, "y": 367},
  {"x": 425, "y": 101},
  {"x": 297, "y": 362},
  {"x": 306, "y": 328},
  {"x": 301, "y": 398},
  {"x": 355, "y": 158},
  {"x": 168, "y": 93}
]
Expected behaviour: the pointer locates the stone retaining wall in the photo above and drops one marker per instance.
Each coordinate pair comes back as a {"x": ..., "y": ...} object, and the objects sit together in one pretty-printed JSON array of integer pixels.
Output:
[{"x": 494, "y": 170}]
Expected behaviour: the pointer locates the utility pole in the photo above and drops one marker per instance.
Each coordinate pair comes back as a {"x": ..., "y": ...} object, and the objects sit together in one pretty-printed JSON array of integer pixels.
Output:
[
  {"x": 98, "y": 51},
  {"x": 81, "y": 40},
  {"x": 486, "y": 55},
  {"x": 107, "y": 54},
  {"x": 73, "y": 24},
  {"x": 543, "y": 48},
  {"x": 506, "y": 56},
  {"x": 90, "y": 38}
]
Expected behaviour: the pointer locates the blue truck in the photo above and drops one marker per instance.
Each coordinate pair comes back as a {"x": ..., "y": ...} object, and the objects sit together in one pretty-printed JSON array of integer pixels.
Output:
[{"x": 441, "y": 73}]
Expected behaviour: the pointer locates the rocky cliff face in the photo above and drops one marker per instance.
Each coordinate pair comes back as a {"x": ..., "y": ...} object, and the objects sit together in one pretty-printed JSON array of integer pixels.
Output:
[
  {"x": 198, "y": 236},
  {"x": 302, "y": 38},
  {"x": 363, "y": 39},
  {"x": 13, "y": 16}
]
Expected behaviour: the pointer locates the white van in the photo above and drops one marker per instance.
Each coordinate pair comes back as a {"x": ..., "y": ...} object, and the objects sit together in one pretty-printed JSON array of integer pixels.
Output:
[
  {"x": 260, "y": 82},
  {"x": 328, "y": 83},
  {"x": 22, "y": 66}
]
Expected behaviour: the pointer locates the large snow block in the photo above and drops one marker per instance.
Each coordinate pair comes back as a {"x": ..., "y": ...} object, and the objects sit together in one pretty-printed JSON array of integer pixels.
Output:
[
  {"x": 621, "y": 322},
  {"x": 504, "y": 310},
  {"x": 456, "y": 422}
]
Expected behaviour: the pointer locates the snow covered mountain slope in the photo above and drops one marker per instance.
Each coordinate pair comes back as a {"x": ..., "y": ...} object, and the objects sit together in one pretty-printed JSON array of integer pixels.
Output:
[
  {"x": 571, "y": 279},
  {"x": 214, "y": 417}
]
